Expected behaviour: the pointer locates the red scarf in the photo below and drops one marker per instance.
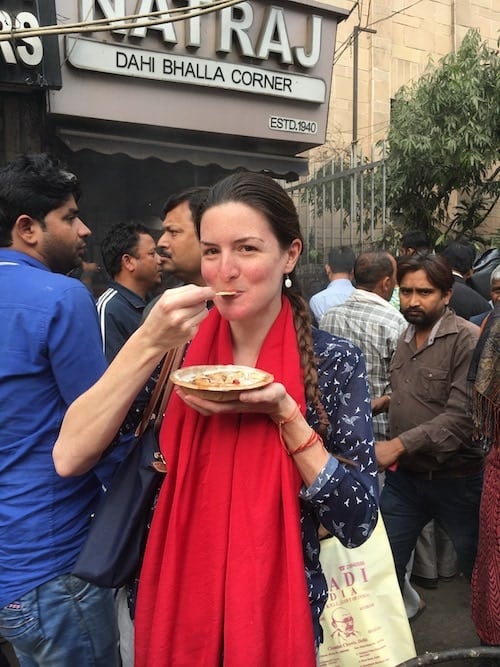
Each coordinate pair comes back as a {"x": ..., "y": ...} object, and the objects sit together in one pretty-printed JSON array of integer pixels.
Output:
[{"x": 223, "y": 580}]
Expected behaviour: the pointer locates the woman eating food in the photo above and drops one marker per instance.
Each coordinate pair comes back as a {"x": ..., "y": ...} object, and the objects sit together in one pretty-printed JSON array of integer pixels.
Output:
[{"x": 231, "y": 574}]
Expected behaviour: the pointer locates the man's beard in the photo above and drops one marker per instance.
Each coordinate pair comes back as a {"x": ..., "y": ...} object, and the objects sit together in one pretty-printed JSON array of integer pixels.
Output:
[
  {"x": 420, "y": 319},
  {"x": 65, "y": 264}
]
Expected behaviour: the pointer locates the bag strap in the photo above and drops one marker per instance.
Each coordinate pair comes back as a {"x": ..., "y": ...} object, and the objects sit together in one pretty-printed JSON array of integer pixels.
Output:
[
  {"x": 161, "y": 393},
  {"x": 178, "y": 354}
]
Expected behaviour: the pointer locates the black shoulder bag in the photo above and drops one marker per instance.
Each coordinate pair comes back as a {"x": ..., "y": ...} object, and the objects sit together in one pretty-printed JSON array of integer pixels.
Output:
[{"x": 117, "y": 535}]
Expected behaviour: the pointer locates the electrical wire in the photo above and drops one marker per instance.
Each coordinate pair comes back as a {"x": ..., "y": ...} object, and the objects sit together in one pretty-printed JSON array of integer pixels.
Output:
[
  {"x": 340, "y": 50},
  {"x": 347, "y": 42},
  {"x": 360, "y": 11},
  {"x": 368, "y": 11},
  {"x": 101, "y": 25},
  {"x": 344, "y": 46},
  {"x": 399, "y": 11}
]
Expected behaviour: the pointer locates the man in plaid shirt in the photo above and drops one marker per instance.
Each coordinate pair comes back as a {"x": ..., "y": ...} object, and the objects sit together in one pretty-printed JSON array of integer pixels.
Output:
[{"x": 368, "y": 320}]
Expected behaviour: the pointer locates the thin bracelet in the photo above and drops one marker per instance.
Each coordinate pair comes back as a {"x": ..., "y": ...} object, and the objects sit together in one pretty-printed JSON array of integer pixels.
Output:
[
  {"x": 287, "y": 420},
  {"x": 312, "y": 440},
  {"x": 294, "y": 414}
]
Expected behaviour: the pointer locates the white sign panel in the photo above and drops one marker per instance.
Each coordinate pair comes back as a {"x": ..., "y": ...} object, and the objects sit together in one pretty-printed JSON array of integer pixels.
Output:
[
  {"x": 301, "y": 125},
  {"x": 112, "y": 58}
]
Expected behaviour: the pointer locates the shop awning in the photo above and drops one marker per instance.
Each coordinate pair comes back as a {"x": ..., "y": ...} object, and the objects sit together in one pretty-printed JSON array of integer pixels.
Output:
[{"x": 279, "y": 166}]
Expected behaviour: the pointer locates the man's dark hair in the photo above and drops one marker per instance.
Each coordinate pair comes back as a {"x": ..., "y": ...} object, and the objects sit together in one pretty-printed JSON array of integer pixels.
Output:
[
  {"x": 460, "y": 254},
  {"x": 121, "y": 239},
  {"x": 195, "y": 197},
  {"x": 436, "y": 267},
  {"x": 341, "y": 259},
  {"x": 33, "y": 185},
  {"x": 371, "y": 267},
  {"x": 417, "y": 240}
]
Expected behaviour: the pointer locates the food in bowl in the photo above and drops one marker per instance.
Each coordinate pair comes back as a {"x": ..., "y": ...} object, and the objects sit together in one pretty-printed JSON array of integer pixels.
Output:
[{"x": 220, "y": 382}]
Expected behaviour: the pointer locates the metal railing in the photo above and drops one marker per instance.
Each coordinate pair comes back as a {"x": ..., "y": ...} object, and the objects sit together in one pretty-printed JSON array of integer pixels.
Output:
[{"x": 343, "y": 203}]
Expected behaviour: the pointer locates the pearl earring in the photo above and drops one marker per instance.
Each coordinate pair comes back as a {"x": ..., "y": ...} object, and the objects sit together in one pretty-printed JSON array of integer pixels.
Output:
[{"x": 288, "y": 282}]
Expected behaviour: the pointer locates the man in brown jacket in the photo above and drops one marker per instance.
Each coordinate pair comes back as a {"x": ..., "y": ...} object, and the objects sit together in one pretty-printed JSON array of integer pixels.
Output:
[{"x": 433, "y": 467}]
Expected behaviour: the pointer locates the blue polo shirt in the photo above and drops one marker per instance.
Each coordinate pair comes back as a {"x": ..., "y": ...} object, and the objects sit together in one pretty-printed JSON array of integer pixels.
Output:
[
  {"x": 50, "y": 352},
  {"x": 120, "y": 314}
]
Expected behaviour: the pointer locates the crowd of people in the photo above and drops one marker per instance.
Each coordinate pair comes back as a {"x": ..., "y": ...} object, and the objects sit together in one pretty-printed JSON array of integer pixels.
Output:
[{"x": 382, "y": 399}]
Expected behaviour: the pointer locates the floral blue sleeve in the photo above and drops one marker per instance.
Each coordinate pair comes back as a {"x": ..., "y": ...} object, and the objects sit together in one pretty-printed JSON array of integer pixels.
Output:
[{"x": 343, "y": 496}]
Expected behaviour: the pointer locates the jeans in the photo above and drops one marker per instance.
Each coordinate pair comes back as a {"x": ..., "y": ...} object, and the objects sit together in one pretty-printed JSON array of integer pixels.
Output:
[
  {"x": 65, "y": 622},
  {"x": 125, "y": 627},
  {"x": 408, "y": 502}
]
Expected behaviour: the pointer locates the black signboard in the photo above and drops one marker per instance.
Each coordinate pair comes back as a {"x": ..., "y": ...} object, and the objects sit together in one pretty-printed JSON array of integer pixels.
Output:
[{"x": 31, "y": 61}]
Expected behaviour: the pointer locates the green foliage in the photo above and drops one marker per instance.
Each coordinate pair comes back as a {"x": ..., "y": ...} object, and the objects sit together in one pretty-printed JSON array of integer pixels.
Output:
[
  {"x": 390, "y": 239},
  {"x": 444, "y": 138}
]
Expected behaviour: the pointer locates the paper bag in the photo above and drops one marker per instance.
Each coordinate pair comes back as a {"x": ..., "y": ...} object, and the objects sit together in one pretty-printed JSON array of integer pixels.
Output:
[{"x": 364, "y": 620}]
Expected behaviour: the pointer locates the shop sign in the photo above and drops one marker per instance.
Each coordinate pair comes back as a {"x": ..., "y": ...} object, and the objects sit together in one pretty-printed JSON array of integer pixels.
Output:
[
  {"x": 28, "y": 61},
  {"x": 135, "y": 62},
  {"x": 237, "y": 35},
  {"x": 256, "y": 70}
]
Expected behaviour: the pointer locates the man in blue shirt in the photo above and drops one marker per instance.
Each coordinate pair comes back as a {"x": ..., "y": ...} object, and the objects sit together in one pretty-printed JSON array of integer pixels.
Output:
[
  {"x": 51, "y": 352},
  {"x": 129, "y": 255},
  {"x": 339, "y": 270},
  {"x": 130, "y": 258}
]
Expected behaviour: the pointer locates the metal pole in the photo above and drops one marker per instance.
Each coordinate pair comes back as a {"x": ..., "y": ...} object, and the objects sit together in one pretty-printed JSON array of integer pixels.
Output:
[
  {"x": 356, "y": 31},
  {"x": 355, "y": 86}
]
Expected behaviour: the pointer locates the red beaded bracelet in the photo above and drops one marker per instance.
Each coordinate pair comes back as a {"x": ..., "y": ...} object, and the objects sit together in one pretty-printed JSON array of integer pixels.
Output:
[{"x": 312, "y": 440}]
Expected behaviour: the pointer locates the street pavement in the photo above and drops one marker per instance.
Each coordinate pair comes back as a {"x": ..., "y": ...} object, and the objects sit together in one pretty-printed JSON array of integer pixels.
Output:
[{"x": 444, "y": 624}]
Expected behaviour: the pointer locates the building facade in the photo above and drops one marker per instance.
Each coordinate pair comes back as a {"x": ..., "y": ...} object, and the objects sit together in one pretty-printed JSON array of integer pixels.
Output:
[
  {"x": 159, "y": 95},
  {"x": 386, "y": 44},
  {"x": 142, "y": 99},
  {"x": 396, "y": 41}
]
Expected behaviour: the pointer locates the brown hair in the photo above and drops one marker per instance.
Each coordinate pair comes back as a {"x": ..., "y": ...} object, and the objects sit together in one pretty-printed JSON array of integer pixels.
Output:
[{"x": 263, "y": 194}]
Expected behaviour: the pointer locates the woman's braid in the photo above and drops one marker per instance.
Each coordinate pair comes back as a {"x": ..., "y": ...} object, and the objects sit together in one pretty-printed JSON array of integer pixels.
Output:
[{"x": 303, "y": 324}]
